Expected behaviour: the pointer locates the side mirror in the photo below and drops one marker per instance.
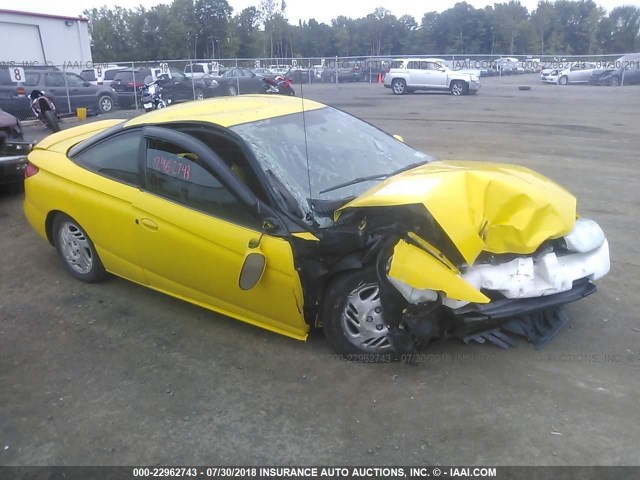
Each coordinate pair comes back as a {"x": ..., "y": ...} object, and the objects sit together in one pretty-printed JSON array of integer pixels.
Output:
[
  {"x": 398, "y": 137},
  {"x": 252, "y": 270},
  {"x": 86, "y": 84},
  {"x": 442, "y": 69}
]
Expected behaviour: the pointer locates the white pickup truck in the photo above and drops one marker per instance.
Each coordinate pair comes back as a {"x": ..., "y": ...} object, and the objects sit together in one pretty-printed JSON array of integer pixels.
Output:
[{"x": 410, "y": 74}]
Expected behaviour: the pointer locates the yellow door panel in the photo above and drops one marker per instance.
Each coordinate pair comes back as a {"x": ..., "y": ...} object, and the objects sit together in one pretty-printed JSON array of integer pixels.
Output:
[{"x": 199, "y": 257}]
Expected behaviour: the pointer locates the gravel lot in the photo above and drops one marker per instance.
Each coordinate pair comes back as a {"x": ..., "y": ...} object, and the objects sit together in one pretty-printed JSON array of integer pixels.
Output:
[{"x": 115, "y": 374}]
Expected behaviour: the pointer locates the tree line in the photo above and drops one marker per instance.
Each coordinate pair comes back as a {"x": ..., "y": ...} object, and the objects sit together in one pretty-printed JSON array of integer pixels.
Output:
[{"x": 210, "y": 29}]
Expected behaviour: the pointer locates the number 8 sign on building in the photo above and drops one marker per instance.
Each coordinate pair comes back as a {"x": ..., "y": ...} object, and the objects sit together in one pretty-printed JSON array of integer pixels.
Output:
[{"x": 16, "y": 74}]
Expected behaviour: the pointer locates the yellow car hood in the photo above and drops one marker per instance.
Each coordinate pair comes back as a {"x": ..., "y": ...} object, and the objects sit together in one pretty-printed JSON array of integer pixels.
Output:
[{"x": 481, "y": 206}]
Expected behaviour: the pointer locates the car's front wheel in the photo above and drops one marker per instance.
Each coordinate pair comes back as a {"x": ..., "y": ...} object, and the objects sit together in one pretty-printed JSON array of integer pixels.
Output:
[
  {"x": 199, "y": 94},
  {"x": 353, "y": 319},
  {"x": 233, "y": 91},
  {"x": 105, "y": 104},
  {"x": 563, "y": 80},
  {"x": 615, "y": 81},
  {"x": 458, "y": 87},
  {"x": 399, "y": 86},
  {"x": 76, "y": 250}
]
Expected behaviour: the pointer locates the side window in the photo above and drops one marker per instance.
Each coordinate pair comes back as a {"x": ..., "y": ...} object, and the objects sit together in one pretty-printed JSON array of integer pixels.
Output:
[
  {"x": 89, "y": 75},
  {"x": 181, "y": 176},
  {"x": 53, "y": 80},
  {"x": 412, "y": 65},
  {"x": 74, "y": 80},
  {"x": 116, "y": 157}
]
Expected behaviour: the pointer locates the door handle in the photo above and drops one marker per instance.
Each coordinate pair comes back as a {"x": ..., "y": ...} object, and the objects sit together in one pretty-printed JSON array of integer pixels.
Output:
[{"x": 150, "y": 224}]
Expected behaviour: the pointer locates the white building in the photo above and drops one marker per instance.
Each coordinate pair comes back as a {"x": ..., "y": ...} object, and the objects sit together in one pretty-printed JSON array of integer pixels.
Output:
[{"x": 38, "y": 39}]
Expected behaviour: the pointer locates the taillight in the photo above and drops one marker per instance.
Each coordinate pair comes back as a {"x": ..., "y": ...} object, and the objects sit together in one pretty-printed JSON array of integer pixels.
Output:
[
  {"x": 135, "y": 84},
  {"x": 20, "y": 91},
  {"x": 31, "y": 170}
]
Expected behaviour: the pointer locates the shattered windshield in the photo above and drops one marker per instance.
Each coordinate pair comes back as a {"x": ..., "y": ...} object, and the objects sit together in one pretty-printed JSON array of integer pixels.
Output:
[{"x": 338, "y": 148}]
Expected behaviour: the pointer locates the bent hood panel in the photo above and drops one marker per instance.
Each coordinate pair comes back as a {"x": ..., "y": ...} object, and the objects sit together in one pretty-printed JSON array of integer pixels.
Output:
[{"x": 481, "y": 206}]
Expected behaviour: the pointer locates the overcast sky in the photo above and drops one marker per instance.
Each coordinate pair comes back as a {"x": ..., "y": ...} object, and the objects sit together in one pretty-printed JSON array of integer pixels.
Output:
[{"x": 321, "y": 10}]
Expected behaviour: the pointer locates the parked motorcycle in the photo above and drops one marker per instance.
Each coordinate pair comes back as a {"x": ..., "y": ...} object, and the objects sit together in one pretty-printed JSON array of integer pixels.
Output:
[
  {"x": 279, "y": 85},
  {"x": 44, "y": 108},
  {"x": 151, "y": 96}
]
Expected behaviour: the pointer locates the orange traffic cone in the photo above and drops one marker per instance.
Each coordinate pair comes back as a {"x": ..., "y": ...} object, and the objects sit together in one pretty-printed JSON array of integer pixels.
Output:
[{"x": 379, "y": 78}]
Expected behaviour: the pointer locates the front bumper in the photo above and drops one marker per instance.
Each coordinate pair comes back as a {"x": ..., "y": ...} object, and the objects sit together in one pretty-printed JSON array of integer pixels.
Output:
[
  {"x": 474, "y": 86},
  {"x": 512, "y": 307}
]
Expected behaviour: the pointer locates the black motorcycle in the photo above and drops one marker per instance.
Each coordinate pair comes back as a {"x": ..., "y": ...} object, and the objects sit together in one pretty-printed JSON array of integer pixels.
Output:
[{"x": 44, "y": 108}]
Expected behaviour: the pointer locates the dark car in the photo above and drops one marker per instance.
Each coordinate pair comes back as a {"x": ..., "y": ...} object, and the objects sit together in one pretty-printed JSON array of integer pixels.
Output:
[
  {"x": 175, "y": 85},
  {"x": 64, "y": 88},
  {"x": 344, "y": 74},
  {"x": 237, "y": 81},
  {"x": 628, "y": 73},
  {"x": 13, "y": 149}
]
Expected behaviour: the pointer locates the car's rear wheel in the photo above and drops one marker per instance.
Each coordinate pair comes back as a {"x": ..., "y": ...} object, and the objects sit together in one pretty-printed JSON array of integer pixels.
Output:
[
  {"x": 105, "y": 104},
  {"x": 352, "y": 318},
  {"x": 458, "y": 87},
  {"x": 76, "y": 250},
  {"x": 399, "y": 86},
  {"x": 615, "y": 81},
  {"x": 563, "y": 80}
]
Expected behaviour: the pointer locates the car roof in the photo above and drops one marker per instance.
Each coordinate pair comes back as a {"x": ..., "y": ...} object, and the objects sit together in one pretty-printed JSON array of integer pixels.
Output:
[{"x": 228, "y": 111}]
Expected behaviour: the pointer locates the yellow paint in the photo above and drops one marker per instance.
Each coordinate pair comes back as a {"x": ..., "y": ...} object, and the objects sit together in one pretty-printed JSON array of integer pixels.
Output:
[
  {"x": 306, "y": 236},
  {"x": 433, "y": 251},
  {"x": 67, "y": 138},
  {"x": 417, "y": 268},
  {"x": 228, "y": 111},
  {"x": 481, "y": 206}
]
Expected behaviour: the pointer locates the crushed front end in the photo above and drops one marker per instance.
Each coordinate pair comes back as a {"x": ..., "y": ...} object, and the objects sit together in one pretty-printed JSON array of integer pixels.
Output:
[{"x": 498, "y": 249}]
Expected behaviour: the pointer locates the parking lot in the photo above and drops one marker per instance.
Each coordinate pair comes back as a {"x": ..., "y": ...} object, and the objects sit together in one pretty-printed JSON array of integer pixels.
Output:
[{"x": 116, "y": 374}]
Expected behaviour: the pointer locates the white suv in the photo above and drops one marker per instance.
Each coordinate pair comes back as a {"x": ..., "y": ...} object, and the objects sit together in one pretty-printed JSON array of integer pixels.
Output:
[{"x": 409, "y": 74}]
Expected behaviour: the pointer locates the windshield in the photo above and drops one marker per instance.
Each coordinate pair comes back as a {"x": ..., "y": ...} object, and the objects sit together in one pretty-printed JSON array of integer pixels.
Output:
[{"x": 340, "y": 148}]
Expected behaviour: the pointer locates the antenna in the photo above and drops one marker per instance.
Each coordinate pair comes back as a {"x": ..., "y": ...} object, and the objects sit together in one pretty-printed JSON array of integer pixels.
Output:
[{"x": 306, "y": 145}]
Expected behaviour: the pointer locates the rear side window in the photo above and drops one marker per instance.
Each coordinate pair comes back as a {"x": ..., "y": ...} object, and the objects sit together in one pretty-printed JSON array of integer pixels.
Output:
[
  {"x": 115, "y": 157},
  {"x": 110, "y": 74},
  {"x": 88, "y": 75},
  {"x": 31, "y": 79}
]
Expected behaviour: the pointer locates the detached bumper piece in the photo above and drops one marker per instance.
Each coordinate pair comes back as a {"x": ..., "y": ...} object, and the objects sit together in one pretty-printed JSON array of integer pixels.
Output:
[{"x": 539, "y": 319}]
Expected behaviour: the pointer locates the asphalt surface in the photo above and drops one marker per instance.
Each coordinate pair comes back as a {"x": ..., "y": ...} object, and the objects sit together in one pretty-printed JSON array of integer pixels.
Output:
[{"x": 115, "y": 374}]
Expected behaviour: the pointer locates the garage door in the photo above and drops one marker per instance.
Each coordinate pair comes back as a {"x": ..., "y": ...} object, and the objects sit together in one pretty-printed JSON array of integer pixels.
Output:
[{"x": 24, "y": 40}]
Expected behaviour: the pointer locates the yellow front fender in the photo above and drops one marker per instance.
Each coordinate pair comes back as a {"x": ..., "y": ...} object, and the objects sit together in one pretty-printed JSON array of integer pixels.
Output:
[{"x": 418, "y": 269}]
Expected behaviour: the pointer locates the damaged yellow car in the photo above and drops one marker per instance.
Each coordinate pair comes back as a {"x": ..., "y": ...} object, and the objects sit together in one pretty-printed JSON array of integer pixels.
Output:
[{"x": 291, "y": 215}]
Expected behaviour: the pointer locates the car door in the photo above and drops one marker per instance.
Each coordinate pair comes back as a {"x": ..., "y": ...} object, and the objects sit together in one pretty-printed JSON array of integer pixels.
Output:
[
  {"x": 194, "y": 231},
  {"x": 54, "y": 88},
  {"x": 82, "y": 93},
  {"x": 437, "y": 75},
  {"x": 418, "y": 74}
]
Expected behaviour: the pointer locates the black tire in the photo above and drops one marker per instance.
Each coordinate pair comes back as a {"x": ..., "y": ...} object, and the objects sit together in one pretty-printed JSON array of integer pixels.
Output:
[
  {"x": 105, "y": 104},
  {"x": 563, "y": 80},
  {"x": 346, "y": 328},
  {"x": 459, "y": 87},
  {"x": 232, "y": 91},
  {"x": 615, "y": 81},
  {"x": 199, "y": 94},
  {"x": 76, "y": 250},
  {"x": 399, "y": 86},
  {"x": 51, "y": 120},
  {"x": 291, "y": 92}
]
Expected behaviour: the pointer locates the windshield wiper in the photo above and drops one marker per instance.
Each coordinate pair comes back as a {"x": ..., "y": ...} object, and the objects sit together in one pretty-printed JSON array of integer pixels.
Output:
[{"x": 379, "y": 176}]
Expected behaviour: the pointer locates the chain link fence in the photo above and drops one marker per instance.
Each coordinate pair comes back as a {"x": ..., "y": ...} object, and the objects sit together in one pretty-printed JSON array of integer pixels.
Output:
[{"x": 101, "y": 87}]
